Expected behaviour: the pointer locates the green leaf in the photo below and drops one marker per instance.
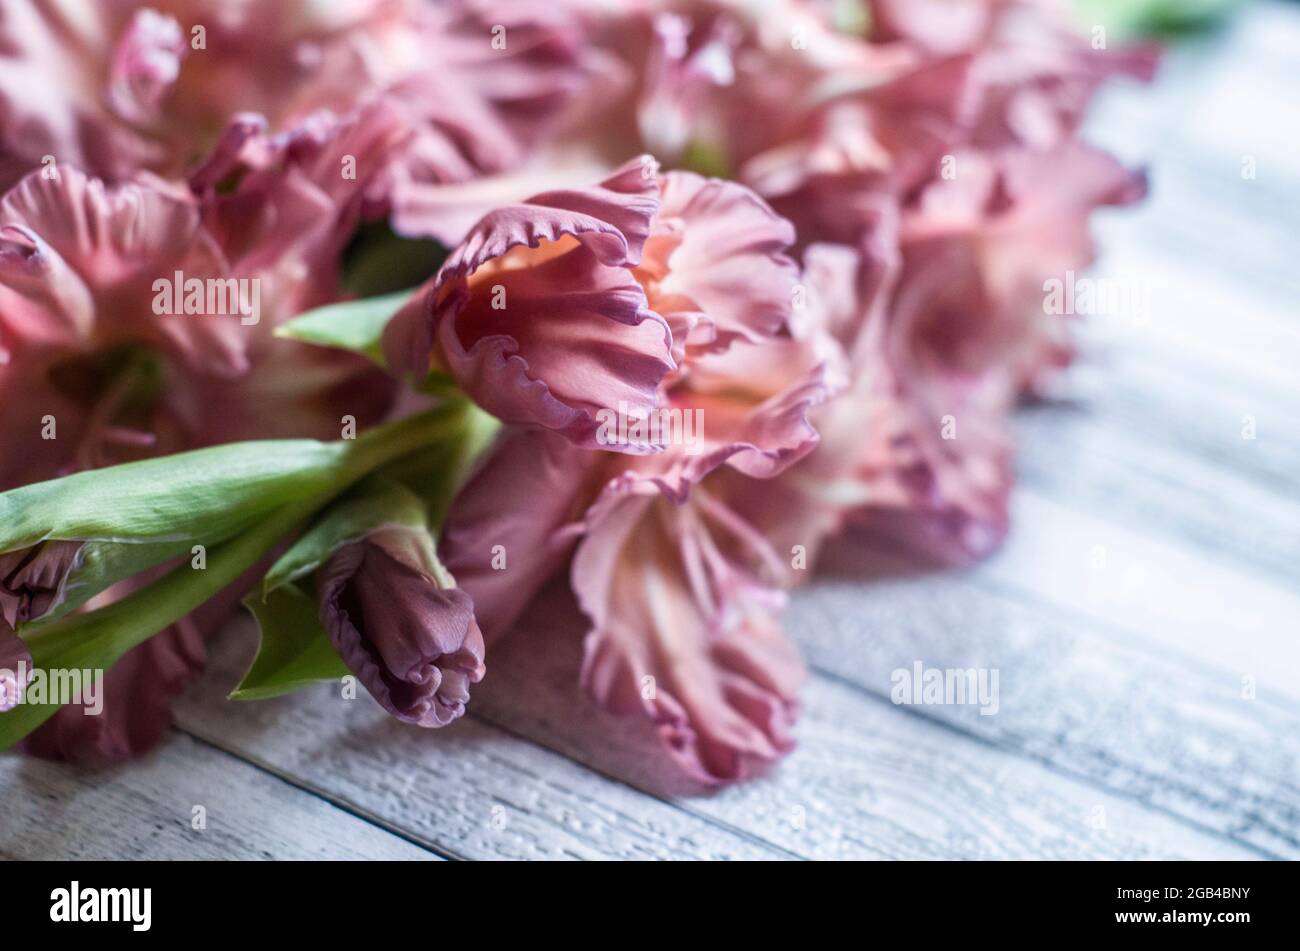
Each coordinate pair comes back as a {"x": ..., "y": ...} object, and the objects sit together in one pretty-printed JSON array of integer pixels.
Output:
[
  {"x": 356, "y": 325},
  {"x": 851, "y": 16},
  {"x": 1128, "y": 18},
  {"x": 295, "y": 650},
  {"x": 142, "y": 514},
  {"x": 370, "y": 505},
  {"x": 102, "y": 564},
  {"x": 437, "y": 472},
  {"x": 201, "y": 494},
  {"x": 706, "y": 158},
  {"x": 97, "y": 639}
]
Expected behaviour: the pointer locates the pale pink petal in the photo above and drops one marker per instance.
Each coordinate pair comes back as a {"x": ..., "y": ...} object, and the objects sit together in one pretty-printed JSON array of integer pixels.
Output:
[
  {"x": 717, "y": 265},
  {"x": 16, "y": 670},
  {"x": 145, "y": 63},
  {"x": 510, "y": 528},
  {"x": 684, "y": 631},
  {"x": 284, "y": 206},
  {"x": 73, "y": 238},
  {"x": 681, "y": 70},
  {"x": 538, "y": 316},
  {"x": 942, "y": 27}
]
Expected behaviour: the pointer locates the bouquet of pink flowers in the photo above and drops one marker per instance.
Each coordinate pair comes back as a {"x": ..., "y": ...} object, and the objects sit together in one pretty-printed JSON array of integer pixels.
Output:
[{"x": 380, "y": 315}]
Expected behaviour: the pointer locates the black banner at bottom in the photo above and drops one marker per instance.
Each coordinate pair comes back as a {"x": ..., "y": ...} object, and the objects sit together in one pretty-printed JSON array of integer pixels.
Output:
[{"x": 334, "y": 901}]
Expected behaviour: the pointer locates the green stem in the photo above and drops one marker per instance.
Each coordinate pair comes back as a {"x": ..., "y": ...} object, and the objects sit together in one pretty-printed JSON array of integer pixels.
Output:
[
  {"x": 388, "y": 443},
  {"x": 95, "y": 640}
]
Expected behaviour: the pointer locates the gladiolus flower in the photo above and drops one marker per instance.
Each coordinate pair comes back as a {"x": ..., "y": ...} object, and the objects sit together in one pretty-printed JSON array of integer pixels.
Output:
[
  {"x": 679, "y": 589},
  {"x": 538, "y": 314},
  {"x": 83, "y": 349},
  {"x": 685, "y": 629},
  {"x": 400, "y": 624},
  {"x": 116, "y": 90}
]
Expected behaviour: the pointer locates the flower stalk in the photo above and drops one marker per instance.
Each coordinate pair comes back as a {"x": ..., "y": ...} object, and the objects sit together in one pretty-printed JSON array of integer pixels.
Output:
[{"x": 97, "y": 639}]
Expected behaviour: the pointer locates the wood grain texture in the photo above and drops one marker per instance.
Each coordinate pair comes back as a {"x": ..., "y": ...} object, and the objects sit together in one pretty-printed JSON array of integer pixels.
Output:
[
  {"x": 869, "y": 780},
  {"x": 145, "y": 812},
  {"x": 471, "y": 790},
  {"x": 1146, "y": 724}
]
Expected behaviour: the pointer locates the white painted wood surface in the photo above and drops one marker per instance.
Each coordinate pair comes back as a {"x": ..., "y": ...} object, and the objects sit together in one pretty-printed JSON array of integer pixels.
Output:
[{"x": 1153, "y": 574}]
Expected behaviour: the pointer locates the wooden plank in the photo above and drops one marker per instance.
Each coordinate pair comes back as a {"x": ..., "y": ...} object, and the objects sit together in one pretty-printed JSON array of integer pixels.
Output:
[
  {"x": 145, "y": 811},
  {"x": 1145, "y": 723},
  {"x": 1218, "y": 98},
  {"x": 869, "y": 780},
  {"x": 1234, "y": 335},
  {"x": 1195, "y": 501},
  {"x": 1123, "y": 578},
  {"x": 471, "y": 790}
]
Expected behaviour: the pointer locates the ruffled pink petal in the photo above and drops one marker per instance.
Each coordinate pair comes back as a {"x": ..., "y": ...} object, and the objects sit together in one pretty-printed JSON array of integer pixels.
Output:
[
  {"x": 938, "y": 470},
  {"x": 941, "y": 27},
  {"x": 683, "y": 631},
  {"x": 611, "y": 219},
  {"x": 747, "y": 408},
  {"x": 284, "y": 206},
  {"x": 145, "y": 64},
  {"x": 510, "y": 74},
  {"x": 45, "y": 303},
  {"x": 978, "y": 249},
  {"x": 73, "y": 243},
  {"x": 1035, "y": 87},
  {"x": 681, "y": 71},
  {"x": 509, "y": 530},
  {"x": 54, "y": 65},
  {"x": 717, "y": 268},
  {"x": 538, "y": 315}
]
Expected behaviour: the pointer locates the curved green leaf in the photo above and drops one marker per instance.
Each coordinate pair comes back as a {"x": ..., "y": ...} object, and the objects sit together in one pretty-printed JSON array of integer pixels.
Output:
[
  {"x": 375, "y": 502},
  {"x": 295, "y": 650},
  {"x": 356, "y": 325}
]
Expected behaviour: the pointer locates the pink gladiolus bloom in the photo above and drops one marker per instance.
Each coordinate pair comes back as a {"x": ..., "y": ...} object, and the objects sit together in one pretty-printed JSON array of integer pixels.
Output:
[
  {"x": 685, "y": 630},
  {"x": 538, "y": 314},
  {"x": 86, "y": 347},
  {"x": 399, "y": 623},
  {"x": 116, "y": 89},
  {"x": 647, "y": 271},
  {"x": 678, "y": 587}
]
